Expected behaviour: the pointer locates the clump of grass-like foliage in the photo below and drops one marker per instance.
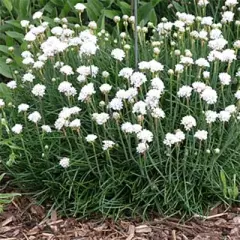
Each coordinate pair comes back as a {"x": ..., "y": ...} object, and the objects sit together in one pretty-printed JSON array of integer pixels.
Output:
[{"x": 87, "y": 131}]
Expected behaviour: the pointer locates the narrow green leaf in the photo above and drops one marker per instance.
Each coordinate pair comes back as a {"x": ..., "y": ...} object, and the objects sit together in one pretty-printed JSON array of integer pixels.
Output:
[
  {"x": 177, "y": 6},
  {"x": 8, "y": 5},
  {"x": 1, "y": 176},
  {"x": 24, "y": 9},
  {"x": 125, "y": 7},
  {"x": 111, "y": 13},
  {"x": 94, "y": 8},
  {"x": 155, "y": 2}
]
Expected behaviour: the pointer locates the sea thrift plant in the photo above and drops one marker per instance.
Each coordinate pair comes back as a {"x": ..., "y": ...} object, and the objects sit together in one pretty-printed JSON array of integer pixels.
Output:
[{"x": 91, "y": 133}]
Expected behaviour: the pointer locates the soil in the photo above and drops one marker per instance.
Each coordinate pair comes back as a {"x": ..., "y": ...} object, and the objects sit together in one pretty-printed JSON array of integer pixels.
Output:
[{"x": 25, "y": 220}]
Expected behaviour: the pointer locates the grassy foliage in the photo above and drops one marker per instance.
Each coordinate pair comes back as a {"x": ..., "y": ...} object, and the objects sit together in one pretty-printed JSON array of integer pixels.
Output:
[{"x": 82, "y": 178}]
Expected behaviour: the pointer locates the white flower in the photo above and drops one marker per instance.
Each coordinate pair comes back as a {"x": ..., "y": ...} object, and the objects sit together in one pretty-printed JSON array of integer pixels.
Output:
[
  {"x": 105, "y": 88},
  {"x": 38, "y": 65},
  {"x": 216, "y": 33},
  {"x": 105, "y": 74},
  {"x": 142, "y": 147},
  {"x": 67, "y": 88},
  {"x": 37, "y": 15},
  {"x": 209, "y": 95},
  {"x": 201, "y": 135},
  {"x": 23, "y": 107},
  {"x": 170, "y": 139},
  {"x": 188, "y": 122},
  {"x": 116, "y": 104},
  {"x": 127, "y": 127},
  {"x": 24, "y": 23},
  {"x": 26, "y": 54},
  {"x": 100, "y": 118},
  {"x": 224, "y": 116},
  {"x": 144, "y": 65},
  {"x": 58, "y": 31},
  {"x": 231, "y": 108},
  {"x": 28, "y": 61},
  {"x": 198, "y": 86},
  {"x": 88, "y": 70},
  {"x": 91, "y": 138},
  {"x": 12, "y": 84},
  {"x": 228, "y": 55},
  {"x": 225, "y": 78},
  {"x": 34, "y": 117},
  {"x": 202, "y": 62},
  {"x": 17, "y": 128},
  {"x": 211, "y": 116},
  {"x": 64, "y": 162},
  {"x": 214, "y": 56},
  {"x": 66, "y": 70},
  {"x": 157, "y": 83},
  {"x": 186, "y": 60},
  {"x": 186, "y": 18},
  {"x": 207, "y": 21},
  {"x": 203, "y": 35},
  {"x": 179, "y": 68},
  {"x": 81, "y": 78},
  {"x": 227, "y": 17},
  {"x": 136, "y": 128},
  {"x": 184, "y": 91},
  {"x": 206, "y": 75},
  {"x": 30, "y": 37},
  {"x": 145, "y": 135},
  {"x": 52, "y": 46},
  {"x": 46, "y": 128},
  {"x": 2, "y": 103},
  {"x": 107, "y": 144},
  {"x": 231, "y": 3},
  {"x": 236, "y": 44},
  {"x": 217, "y": 150},
  {"x": 179, "y": 135},
  {"x": 118, "y": 54},
  {"x": 126, "y": 73},
  {"x": 28, "y": 77},
  {"x": 217, "y": 44},
  {"x": 155, "y": 66},
  {"x": 80, "y": 7},
  {"x": 92, "y": 25},
  {"x": 152, "y": 98},
  {"x": 139, "y": 108},
  {"x": 86, "y": 92},
  {"x": 137, "y": 79},
  {"x": 237, "y": 95},
  {"x": 75, "y": 124},
  {"x": 60, "y": 123},
  {"x": 38, "y": 90},
  {"x": 88, "y": 49},
  {"x": 158, "y": 113}
]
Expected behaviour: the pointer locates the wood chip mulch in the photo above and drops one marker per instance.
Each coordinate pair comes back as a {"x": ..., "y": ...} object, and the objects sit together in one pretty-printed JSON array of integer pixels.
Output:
[{"x": 24, "y": 220}]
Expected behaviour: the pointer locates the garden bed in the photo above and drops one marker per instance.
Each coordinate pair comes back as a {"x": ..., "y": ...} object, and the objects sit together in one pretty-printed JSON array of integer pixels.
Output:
[{"x": 24, "y": 219}]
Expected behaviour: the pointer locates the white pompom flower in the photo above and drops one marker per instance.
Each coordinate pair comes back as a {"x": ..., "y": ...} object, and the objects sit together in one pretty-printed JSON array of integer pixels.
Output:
[
  {"x": 64, "y": 162},
  {"x": 118, "y": 54},
  {"x": 17, "y": 128}
]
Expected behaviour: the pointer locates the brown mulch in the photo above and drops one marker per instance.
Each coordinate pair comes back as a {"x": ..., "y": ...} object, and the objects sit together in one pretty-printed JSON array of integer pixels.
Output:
[{"x": 24, "y": 220}]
